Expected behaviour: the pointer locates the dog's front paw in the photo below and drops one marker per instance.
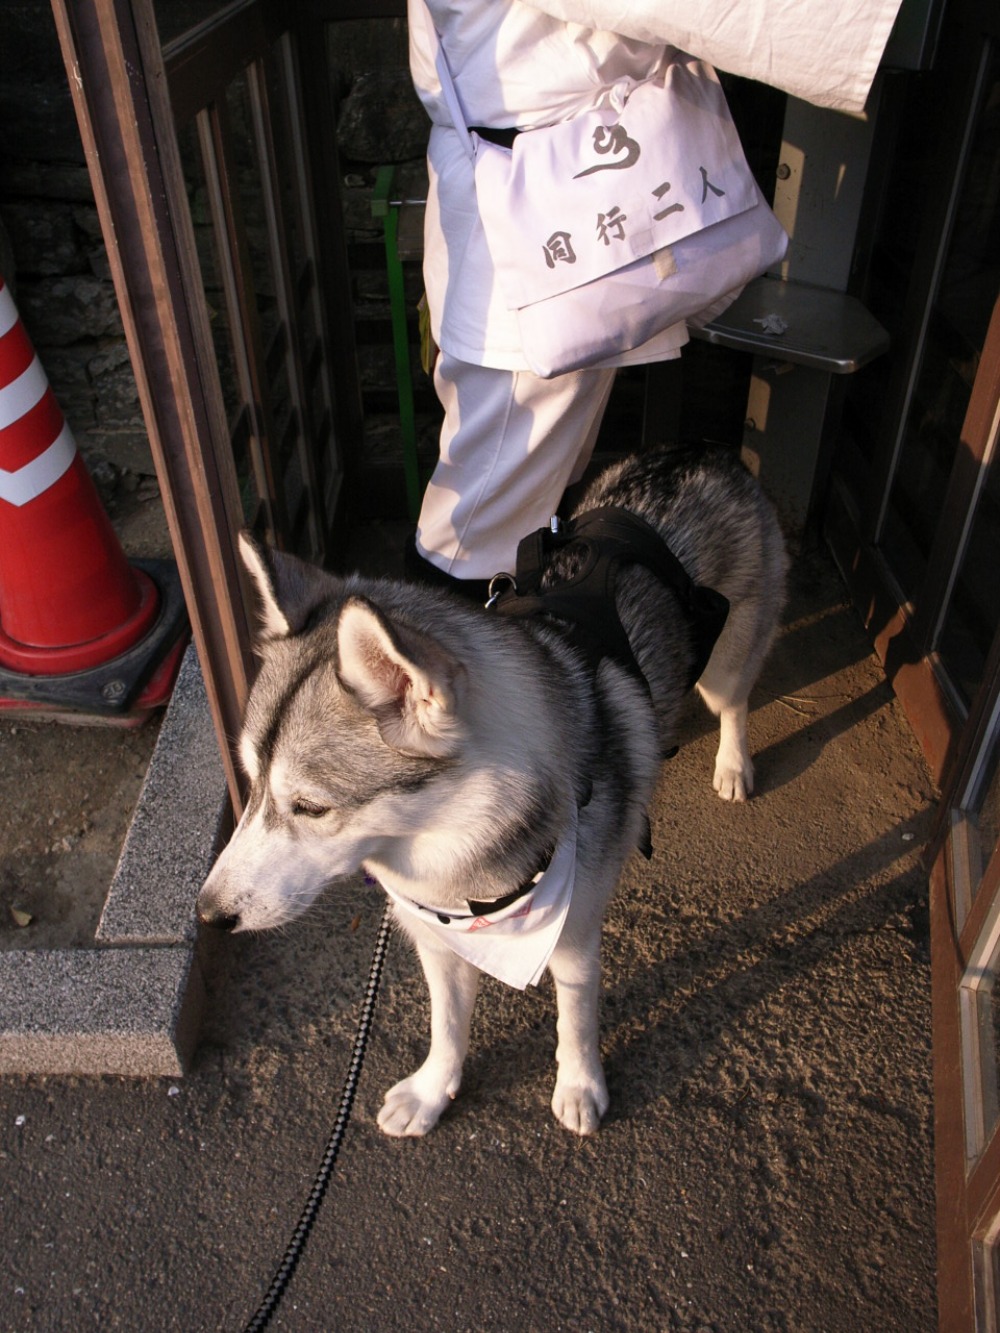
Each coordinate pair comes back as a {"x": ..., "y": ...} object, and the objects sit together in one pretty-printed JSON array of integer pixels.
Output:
[
  {"x": 413, "y": 1107},
  {"x": 580, "y": 1106},
  {"x": 733, "y": 782}
]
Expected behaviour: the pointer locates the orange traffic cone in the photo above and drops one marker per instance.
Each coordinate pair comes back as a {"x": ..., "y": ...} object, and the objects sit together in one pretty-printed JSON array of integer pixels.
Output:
[{"x": 80, "y": 628}]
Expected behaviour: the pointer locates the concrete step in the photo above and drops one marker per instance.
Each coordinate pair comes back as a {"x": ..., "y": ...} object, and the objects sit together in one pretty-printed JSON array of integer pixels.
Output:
[{"x": 132, "y": 1004}]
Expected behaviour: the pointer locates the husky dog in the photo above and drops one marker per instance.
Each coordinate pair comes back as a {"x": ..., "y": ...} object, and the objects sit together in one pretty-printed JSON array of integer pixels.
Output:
[{"x": 484, "y": 769}]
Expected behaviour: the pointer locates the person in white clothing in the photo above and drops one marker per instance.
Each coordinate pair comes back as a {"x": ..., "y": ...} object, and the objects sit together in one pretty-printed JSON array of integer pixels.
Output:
[{"x": 512, "y": 442}]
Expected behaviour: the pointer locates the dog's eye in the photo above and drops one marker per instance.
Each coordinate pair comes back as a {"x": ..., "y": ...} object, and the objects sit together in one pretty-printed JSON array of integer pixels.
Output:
[{"x": 310, "y": 809}]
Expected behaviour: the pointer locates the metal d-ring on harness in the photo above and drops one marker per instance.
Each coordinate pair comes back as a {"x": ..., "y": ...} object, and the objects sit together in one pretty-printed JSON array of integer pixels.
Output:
[{"x": 283, "y": 1274}]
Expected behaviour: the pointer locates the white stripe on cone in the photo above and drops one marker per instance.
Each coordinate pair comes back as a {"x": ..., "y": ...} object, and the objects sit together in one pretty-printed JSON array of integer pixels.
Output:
[
  {"x": 22, "y": 394},
  {"x": 34, "y": 478},
  {"x": 17, "y": 398}
]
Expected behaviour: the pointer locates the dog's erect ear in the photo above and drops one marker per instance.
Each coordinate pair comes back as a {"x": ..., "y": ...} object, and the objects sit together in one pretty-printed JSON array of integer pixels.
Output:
[
  {"x": 290, "y": 590},
  {"x": 404, "y": 677}
]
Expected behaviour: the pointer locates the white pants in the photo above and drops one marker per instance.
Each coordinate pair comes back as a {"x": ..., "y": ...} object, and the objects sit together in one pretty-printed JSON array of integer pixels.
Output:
[{"x": 510, "y": 445}]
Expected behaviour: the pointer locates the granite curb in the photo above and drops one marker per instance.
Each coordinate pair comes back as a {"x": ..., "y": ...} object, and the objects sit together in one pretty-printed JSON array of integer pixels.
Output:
[{"x": 132, "y": 1004}]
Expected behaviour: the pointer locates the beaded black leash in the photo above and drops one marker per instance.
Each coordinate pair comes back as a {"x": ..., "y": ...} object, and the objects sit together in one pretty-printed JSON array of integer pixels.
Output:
[{"x": 300, "y": 1235}]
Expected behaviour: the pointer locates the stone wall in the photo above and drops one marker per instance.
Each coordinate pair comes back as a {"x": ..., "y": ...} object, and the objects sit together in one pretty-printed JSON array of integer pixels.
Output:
[{"x": 52, "y": 252}]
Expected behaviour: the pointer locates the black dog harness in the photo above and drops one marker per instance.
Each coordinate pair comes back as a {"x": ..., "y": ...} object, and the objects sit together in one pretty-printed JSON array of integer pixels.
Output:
[{"x": 604, "y": 540}]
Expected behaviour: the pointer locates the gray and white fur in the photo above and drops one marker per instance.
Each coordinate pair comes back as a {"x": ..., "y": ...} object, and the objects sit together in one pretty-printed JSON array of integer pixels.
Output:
[{"x": 444, "y": 749}]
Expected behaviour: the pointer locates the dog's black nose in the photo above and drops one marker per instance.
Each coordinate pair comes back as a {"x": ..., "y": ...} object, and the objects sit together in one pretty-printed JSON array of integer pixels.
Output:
[{"x": 219, "y": 921}]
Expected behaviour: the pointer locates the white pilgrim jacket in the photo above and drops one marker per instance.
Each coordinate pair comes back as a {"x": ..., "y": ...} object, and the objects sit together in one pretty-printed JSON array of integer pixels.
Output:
[{"x": 520, "y": 65}]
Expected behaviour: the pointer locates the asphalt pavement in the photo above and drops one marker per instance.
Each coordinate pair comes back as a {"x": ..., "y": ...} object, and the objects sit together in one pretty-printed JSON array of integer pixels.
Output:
[{"x": 767, "y": 1159}]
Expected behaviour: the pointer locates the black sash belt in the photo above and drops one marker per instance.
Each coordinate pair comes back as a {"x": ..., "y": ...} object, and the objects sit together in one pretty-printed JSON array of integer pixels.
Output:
[{"x": 502, "y": 138}]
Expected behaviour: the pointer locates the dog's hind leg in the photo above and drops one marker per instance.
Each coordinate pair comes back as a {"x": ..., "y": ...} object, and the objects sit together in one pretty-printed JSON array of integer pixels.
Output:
[
  {"x": 733, "y": 778},
  {"x": 725, "y": 686},
  {"x": 581, "y": 1095},
  {"x": 414, "y": 1105}
]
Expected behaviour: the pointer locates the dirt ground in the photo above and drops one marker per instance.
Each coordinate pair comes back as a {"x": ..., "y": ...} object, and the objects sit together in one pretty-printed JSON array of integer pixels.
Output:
[
  {"x": 67, "y": 792},
  {"x": 767, "y": 1160}
]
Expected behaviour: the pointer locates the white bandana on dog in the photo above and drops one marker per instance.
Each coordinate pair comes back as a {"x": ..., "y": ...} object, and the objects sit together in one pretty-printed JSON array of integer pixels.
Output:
[{"x": 515, "y": 943}]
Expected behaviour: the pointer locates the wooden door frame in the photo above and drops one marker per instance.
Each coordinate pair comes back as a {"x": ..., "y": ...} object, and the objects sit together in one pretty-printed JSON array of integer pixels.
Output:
[
  {"x": 968, "y": 1191},
  {"x": 128, "y": 101},
  {"x": 968, "y": 1187}
]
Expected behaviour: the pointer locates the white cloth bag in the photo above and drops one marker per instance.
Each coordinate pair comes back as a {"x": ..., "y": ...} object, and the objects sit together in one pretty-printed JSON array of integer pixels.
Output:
[{"x": 610, "y": 227}]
